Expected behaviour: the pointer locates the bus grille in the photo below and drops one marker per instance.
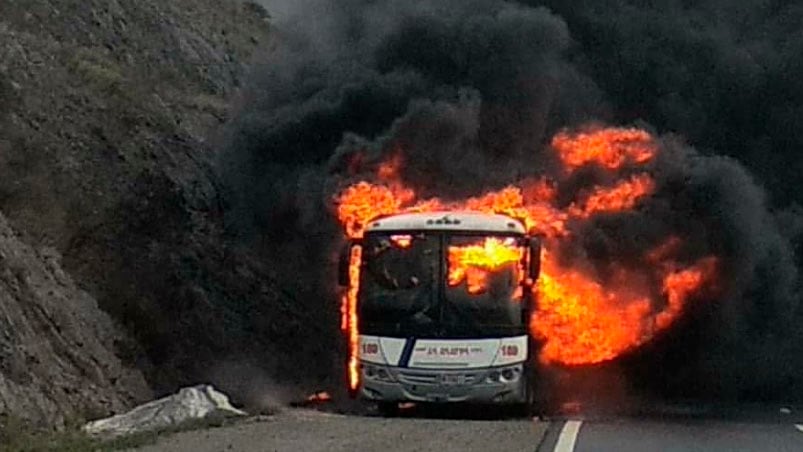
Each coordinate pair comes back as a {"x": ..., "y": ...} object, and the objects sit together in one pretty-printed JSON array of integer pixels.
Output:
[
  {"x": 433, "y": 378},
  {"x": 419, "y": 378}
]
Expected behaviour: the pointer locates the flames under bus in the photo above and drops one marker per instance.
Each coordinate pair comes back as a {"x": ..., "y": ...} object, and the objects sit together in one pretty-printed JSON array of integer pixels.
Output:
[{"x": 444, "y": 303}]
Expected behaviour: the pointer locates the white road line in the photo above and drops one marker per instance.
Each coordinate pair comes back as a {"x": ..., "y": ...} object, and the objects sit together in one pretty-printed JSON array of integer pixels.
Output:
[
  {"x": 799, "y": 427},
  {"x": 568, "y": 436}
]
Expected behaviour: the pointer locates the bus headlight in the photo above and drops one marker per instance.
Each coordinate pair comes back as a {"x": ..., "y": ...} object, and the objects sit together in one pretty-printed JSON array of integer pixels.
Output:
[
  {"x": 382, "y": 374},
  {"x": 376, "y": 373},
  {"x": 504, "y": 375},
  {"x": 510, "y": 374}
]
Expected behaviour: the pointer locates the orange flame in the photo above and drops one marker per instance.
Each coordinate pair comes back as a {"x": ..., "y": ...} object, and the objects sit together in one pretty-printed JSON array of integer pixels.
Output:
[
  {"x": 580, "y": 320},
  {"x": 365, "y": 202},
  {"x": 622, "y": 196},
  {"x": 349, "y": 322},
  {"x": 582, "y": 317},
  {"x": 472, "y": 263},
  {"x": 610, "y": 148},
  {"x": 319, "y": 397},
  {"x": 679, "y": 285},
  {"x": 584, "y": 322},
  {"x": 401, "y": 241}
]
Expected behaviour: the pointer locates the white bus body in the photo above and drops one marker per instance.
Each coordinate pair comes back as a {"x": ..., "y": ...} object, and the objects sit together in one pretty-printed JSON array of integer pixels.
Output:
[{"x": 425, "y": 338}]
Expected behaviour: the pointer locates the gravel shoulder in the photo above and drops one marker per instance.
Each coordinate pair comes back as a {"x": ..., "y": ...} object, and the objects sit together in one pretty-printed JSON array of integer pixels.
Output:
[{"x": 312, "y": 431}]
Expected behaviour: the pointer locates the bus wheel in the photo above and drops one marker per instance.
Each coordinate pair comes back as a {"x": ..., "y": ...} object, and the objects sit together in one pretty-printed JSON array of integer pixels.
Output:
[
  {"x": 527, "y": 408},
  {"x": 388, "y": 409}
]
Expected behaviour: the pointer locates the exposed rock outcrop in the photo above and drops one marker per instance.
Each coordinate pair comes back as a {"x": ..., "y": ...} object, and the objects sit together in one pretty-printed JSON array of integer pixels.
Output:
[
  {"x": 109, "y": 113},
  {"x": 57, "y": 348}
]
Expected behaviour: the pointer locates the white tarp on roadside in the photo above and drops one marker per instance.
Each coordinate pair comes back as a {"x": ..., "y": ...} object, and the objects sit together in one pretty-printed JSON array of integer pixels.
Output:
[{"x": 194, "y": 403}]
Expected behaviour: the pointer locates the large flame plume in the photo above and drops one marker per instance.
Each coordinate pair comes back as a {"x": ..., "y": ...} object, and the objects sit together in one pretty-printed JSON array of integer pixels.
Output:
[{"x": 583, "y": 317}]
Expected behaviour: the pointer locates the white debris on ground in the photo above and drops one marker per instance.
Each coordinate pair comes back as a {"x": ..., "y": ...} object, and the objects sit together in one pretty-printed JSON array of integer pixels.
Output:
[{"x": 189, "y": 404}]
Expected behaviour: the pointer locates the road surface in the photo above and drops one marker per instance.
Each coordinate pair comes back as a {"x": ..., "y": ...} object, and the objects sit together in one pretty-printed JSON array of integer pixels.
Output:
[
  {"x": 632, "y": 436},
  {"x": 314, "y": 431}
]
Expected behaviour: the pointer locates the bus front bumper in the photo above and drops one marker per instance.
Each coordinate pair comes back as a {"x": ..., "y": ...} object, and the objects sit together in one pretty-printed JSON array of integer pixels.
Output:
[{"x": 499, "y": 385}]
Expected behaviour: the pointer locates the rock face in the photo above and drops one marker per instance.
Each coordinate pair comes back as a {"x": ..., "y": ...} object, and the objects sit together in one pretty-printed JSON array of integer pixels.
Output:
[
  {"x": 109, "y": 115},
  {"x": 98, "y": 92},
  {"x": 57, "y": 348}
]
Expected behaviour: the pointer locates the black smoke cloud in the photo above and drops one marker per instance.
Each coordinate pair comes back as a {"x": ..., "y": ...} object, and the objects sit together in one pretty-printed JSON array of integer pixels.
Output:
[
  {"x": 469, "y": 92},
  {"x": 726, "y": 75},
  {"x": 361, "y": 67}
]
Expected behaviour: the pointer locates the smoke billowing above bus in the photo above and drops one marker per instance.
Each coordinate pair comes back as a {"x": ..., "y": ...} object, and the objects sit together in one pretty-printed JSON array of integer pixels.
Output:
[{"x": 496, "y": 103}]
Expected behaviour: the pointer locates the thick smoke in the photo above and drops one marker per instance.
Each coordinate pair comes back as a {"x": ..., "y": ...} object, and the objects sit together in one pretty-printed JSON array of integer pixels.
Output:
[
  {"x": 724, "y": 74},
  {"x": 470, "y": 92}
]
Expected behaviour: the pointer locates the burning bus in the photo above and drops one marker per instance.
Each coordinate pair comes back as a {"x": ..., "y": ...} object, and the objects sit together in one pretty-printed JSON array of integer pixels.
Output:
[
  {"x": 441, "y": 293},
  {"x": 444, "y": 303}
]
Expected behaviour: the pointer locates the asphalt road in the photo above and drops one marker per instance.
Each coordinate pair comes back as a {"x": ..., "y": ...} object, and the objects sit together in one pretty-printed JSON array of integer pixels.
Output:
[
  {"x": 637, "y": 436},
  {"x": 313, "y": 431}
]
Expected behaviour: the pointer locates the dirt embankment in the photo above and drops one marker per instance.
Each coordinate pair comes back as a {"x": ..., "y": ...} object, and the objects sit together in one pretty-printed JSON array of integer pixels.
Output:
[{"x": 108, "y": 112}]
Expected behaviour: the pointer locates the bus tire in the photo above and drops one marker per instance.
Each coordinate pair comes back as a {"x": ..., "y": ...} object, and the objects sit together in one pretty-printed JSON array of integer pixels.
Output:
[{"x": 527, "y": 408}]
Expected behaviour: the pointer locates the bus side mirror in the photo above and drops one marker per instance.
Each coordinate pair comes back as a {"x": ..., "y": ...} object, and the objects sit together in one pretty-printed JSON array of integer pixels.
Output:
[
  {"x": 535, "y": 259},
  {"x": 344, "y": 261}
]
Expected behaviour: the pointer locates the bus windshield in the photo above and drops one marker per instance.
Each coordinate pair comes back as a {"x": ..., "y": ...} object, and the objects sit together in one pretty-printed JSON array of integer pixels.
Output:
[
  {"x": 441, "y": 285},
  {"x": 483, "y": 285},
  {"x": 398, "y": 284}
]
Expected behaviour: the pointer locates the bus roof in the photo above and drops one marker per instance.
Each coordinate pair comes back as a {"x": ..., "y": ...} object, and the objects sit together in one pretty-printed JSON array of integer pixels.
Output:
[{"x": 451, "y": 221}]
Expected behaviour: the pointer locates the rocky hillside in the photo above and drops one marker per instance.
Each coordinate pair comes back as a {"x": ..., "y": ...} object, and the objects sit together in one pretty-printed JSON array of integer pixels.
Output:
[
  {"x": 98, "y": 92},
  {"x": 57, "y": 349},
  {"x": 108, "y": 115}
]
